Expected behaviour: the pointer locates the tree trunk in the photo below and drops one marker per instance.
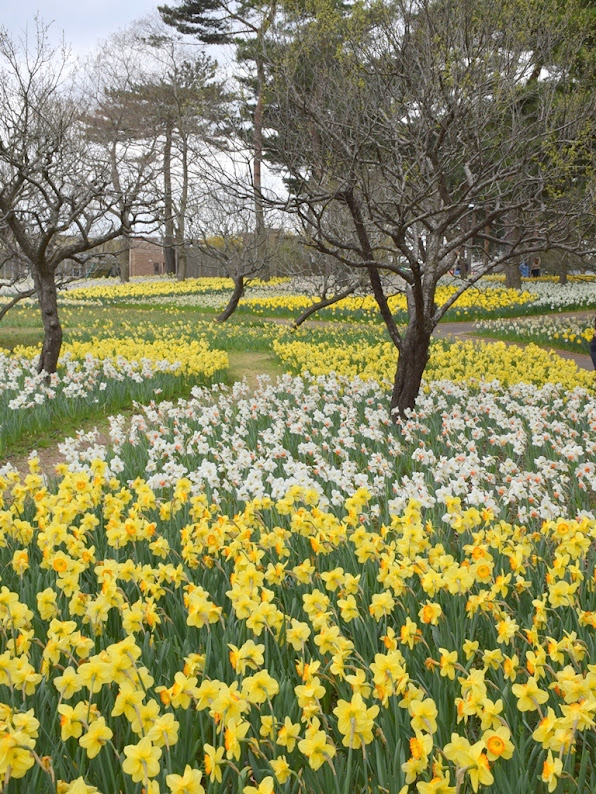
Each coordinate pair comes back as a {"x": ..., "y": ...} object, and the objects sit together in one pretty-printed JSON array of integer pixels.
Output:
[
  {"x": 124, "y": 259},
  {"x": 234, "y": 300},
  {"x": 513, "y": 277},
  {"x": 563, "y": 270},
  {"x": 258, "y": 162},
  {"x": 52, "y": 330},
  {"x": 182, "y": 262},
  {"x": 413, "y": 358},
  {"x": 181, "y": 225},
  {"x": 169, "y": 251},
  {"x": 486, "y": 246},
  {"x": 512, "y": 271},
  {"x": 124, "y": 254}
]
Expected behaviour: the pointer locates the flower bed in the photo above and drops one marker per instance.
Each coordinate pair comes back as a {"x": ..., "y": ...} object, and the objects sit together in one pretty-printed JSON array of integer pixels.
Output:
[
  {"x": 459, "y": 361},
  {"x": 301, "y": 597},
  {"x": 106, "y": 372}
]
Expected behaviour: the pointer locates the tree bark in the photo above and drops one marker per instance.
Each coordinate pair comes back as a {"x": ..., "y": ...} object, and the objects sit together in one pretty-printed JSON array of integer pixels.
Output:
[
  {"x": 124, "y": 254},
  {"x": 413, "y": 358},
  {"x": 513, "y": 276},
  {"x": 486, "y": 246},
  {"x": 181, "y": 225},
  {"x": 563, "y": 278},
  {"x": 512, "y": 271},
  {"x": 169, "y": 251},
  {"x": 234, "y": 300},
  {"x": 182, "y": 262},
  {"x": 45, "y": 286}
]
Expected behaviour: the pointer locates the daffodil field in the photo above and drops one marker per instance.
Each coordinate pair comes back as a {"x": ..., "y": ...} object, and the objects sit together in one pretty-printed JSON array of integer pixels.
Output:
[
  {"x": 282, "y": 297},
  {"x": 490, "y": 301},
  {"x": 301, "y": 593},
  {"x": 459, "y": 361},
  {"x": 277, "y": 589},
  {"x": 107, "y": 364},
  {"x": 148, "y": 290}
]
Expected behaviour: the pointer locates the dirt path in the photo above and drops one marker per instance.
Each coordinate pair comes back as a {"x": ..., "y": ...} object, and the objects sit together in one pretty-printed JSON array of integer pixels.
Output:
[
  {"x": 49, "y": 455},
  {"x": 252, "y": 364}
]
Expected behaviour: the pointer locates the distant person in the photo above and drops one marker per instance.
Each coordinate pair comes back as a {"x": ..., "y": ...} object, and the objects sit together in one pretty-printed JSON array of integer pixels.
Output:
[
  {"x": 535, "y": 271},
  {"x": 593, "y": 345},
  {"x": 524, "y": 269}
]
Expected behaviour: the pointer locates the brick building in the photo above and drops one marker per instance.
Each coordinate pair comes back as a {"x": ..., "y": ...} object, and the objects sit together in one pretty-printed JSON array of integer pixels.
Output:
[{"x": 145, "y": 257}]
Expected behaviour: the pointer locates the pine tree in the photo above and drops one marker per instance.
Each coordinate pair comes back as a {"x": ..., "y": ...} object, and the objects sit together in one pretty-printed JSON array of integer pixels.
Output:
[{"x": 244, "y": 24}]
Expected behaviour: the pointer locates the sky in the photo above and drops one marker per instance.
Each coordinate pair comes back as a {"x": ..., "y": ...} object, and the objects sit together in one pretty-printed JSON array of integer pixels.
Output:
[{"x": 84, "y": 22}]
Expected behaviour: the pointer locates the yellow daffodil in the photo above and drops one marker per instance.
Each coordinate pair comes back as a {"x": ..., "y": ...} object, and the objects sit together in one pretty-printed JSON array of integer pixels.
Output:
[
  {"x": 96, "y": 736},
  {"x": 266, "y": 786},
  {"x": 315, "y": 746},
  {"x": 281, "y": 769},
  {"x": 551, "y": 770},
  {"x": 354, "y": 721},
  {"x": 213, "y": 762},
  {"x": 187, "y": 783},
  {"x": 142, "y": 760}
]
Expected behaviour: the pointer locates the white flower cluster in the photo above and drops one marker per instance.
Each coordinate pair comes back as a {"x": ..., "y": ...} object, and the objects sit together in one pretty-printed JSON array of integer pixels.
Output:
[
  {"x": 551, "y": 328},
  {"x": 219, "y": 300},
  {"x": 522, "y": 452},
  {"x": 22, "y": 387},
  {"x": 557, "y": 297}
]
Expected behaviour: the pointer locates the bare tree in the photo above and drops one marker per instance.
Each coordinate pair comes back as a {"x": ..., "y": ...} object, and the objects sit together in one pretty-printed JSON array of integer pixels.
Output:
[
  {"x": 120, "y": 124},
  {"x": 327, "y": 286},
  {"x": 15, "y": 282},
  {"x": 423, "y": 127},
  {"x": 223, "y": 234},
  {"x": 57, "y": 198},
  {"x": 324, "y": 277},
  {"x": 182, "y": 100}
]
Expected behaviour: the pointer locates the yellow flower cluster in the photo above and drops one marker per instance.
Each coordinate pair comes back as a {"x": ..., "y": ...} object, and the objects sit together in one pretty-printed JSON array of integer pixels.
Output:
[
  {"x": 579, "y": 278},
  {"x": 193, "y": 356},
  {"x": 146, "y": 290},
  {"x": 364, "y": 361},
  {"x": 345, "y": 634},
  {"x": 489, "y": 299},
  {"x": 510, "y": 364},
  {"x": 458, "y": 361}
]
